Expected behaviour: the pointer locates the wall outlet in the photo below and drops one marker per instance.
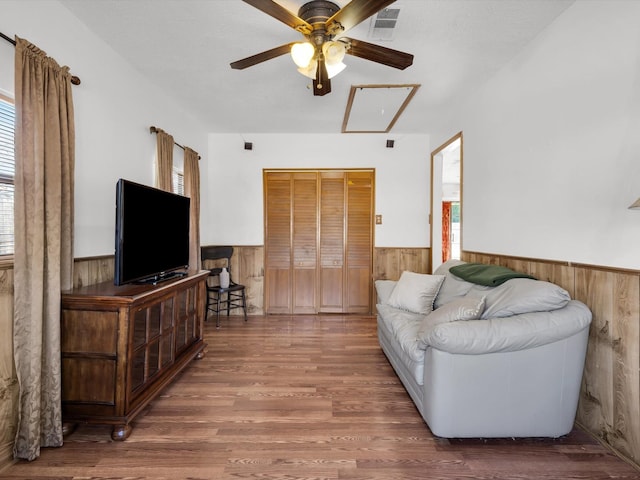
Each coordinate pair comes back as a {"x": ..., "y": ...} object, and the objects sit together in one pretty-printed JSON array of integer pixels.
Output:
[{"x": 378, "y": 219}]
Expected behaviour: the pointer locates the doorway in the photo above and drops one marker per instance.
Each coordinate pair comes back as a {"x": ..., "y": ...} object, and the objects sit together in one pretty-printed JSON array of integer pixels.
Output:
[{"x": 446, "y": 202}]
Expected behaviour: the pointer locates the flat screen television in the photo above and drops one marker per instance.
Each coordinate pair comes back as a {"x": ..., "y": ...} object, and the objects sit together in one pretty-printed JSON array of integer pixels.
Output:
[{"x": 152, "y": 234}]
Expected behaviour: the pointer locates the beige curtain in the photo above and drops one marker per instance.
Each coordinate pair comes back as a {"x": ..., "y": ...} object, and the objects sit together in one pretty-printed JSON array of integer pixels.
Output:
[
  {"x": 192, "y": 190},
  {"x": 43, "y": 260},
  {"x": 164, "y": 161}
]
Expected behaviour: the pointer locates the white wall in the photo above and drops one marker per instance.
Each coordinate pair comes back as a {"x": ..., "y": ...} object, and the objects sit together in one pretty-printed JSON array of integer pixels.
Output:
[
  {"x": 114, "y": 108},
  {"x": 235, "y": 214},
  {"x": 552, "y": 144}
]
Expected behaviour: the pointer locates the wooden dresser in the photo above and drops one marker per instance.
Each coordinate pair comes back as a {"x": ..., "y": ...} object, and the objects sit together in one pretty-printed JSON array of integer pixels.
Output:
[{"x": 121, "y": 345}]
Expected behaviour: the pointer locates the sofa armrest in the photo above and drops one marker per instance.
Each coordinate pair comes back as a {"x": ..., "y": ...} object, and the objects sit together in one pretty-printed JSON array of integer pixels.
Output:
[{"x": 519, "y": 332}]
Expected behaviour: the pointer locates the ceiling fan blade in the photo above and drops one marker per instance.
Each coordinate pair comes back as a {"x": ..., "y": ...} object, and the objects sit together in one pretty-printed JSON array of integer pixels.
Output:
[
  {"x": 261, "y": 57},
  {"x": 278, "y": 12},
  {"x": 355, "y": 12},
  {"x": 377, "y": 53}
]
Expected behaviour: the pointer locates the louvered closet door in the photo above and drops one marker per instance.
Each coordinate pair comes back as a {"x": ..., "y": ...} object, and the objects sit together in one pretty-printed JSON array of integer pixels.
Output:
[
  {"x": 278, "y": 250},
  {"x": 318, "y": 241},
  {"x": 332, "y": 203},
  {"x": 305, "y": 232},
  {"x": 359, "y": 242}
]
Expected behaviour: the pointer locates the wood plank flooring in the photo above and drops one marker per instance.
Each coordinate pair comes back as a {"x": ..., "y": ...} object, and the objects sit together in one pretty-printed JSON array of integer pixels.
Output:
[{"x": 304, "y": 397}]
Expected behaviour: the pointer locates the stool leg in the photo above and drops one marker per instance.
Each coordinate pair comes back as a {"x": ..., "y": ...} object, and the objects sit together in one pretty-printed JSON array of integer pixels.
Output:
[
  {"x": 244, "y": 305},
  {"x": 218, "y": 310},
  {"x": 206, "y": 306}
]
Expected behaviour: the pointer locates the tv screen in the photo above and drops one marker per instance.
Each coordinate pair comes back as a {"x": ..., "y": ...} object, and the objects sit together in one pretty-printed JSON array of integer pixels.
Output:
[{"x": 152, "y": 234}]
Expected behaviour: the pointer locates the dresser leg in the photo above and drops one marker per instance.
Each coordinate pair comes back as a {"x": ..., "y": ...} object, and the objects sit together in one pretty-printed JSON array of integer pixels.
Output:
[{"x": 121, "y": 432}]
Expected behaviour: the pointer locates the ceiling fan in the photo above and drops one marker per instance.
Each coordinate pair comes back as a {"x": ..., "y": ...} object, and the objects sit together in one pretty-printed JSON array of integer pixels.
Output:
[{"x": 323, "y": 23}]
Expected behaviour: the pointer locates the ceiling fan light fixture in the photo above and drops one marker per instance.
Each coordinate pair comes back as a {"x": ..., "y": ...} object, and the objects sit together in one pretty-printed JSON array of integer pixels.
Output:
[
  {"x": 334, "y": 52},
  {"x": 334, "y": 69},
  {"x": 310, "y": 70},
  {"x": 302, "y": 53}
]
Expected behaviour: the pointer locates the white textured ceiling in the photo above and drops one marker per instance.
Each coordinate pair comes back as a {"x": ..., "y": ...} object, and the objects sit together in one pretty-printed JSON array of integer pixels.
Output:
[{"x": 185, "y": 47}]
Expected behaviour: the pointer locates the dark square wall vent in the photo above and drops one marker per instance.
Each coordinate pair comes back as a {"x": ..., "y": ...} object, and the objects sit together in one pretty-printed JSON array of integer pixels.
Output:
[{"x": 383, "y": 25}]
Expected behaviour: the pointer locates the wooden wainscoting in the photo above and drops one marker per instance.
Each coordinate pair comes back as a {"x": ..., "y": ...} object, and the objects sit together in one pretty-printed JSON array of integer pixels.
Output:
[
  {"x": 247, "y": 265},
  {"x": 92, "y": 270},
  {"x": 610, "y": 396},
  {"x": 390, "y": 262},
  {"x": 247, "y": 268}
]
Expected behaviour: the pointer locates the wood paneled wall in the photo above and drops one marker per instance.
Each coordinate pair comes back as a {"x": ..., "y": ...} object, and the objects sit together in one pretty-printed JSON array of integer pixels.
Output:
[
  {"x": 610, "y": 395},
  {"x": 89, "y": 271},
  {"x": 247, "y": 268},
  {"x": 389, "y": 263},
  {"x": 247, "y": 265}
]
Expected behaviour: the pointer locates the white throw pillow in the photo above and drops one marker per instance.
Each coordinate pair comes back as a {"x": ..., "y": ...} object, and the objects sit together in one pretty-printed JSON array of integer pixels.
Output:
[
  {"x": 460, "y": 309},
  {"x": 415, "y": 292}
]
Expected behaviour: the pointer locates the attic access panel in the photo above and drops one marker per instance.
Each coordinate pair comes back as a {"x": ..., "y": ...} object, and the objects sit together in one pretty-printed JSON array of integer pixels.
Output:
[{"x": 376, "y": 108}]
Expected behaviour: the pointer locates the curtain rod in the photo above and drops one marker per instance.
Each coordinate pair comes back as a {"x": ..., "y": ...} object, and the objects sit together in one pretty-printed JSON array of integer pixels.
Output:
[
  {"x": 75, "y": 80},
  {"x": 153, "y": 129}
]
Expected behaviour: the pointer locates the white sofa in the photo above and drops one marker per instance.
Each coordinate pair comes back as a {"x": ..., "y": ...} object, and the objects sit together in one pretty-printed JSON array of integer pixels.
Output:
[{"x": 503, "y": 361}]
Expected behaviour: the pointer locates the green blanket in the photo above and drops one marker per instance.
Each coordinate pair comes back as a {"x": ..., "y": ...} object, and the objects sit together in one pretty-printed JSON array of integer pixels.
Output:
[{"x": 488, "y": 275}]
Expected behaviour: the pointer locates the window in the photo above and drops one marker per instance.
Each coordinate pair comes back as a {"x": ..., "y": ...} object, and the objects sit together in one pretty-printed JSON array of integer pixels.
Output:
[
  {"x": 178, "y": 181},
  {"x": 7, "y": 174}
]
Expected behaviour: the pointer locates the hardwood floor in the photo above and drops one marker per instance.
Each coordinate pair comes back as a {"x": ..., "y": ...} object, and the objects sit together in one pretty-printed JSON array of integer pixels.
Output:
[{"x": 304, "y": 397}]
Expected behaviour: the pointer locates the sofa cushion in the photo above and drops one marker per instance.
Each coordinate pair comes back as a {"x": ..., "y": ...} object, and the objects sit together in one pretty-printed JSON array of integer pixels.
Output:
[
  {"x": 520, "y": 295},
  {"x": 415, "y": 292},
  {"x": 456, "y": 310},
  {"x": 410, "y": 368},
  {"x": 444, "y": 267},
  {"x": 519, "y": 332},
  {"x": 452, "y": 288},
  {"x": 384, "y": 289},
  {"x": 403, "y": 327}
]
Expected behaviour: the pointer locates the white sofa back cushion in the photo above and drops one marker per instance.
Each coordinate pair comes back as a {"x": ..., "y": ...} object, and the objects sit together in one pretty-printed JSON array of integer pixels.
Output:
[
  {"x": 528, "y": 330},
  {"x": 415, "y": 292},
  {"x": 520, "y": 295},
  {"x": 452, "y": 287}
]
